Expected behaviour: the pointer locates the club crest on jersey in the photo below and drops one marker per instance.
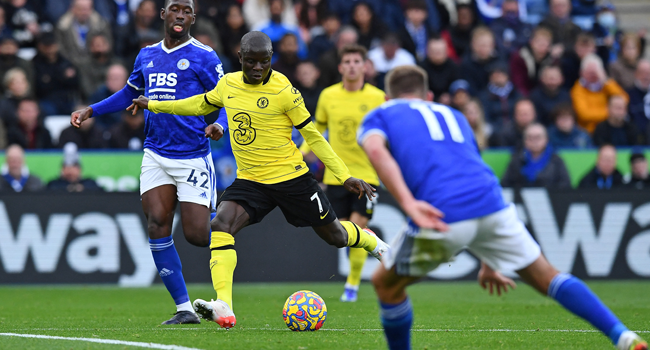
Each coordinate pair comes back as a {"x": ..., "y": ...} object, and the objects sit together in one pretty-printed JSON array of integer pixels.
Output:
[
  {"x": 263, "y": 102},
  {"x": 183, "y": 64}
]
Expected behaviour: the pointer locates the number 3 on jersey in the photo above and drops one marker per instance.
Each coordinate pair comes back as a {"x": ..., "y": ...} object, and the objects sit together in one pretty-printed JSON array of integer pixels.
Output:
[
  {"x": 427, "y": 111},
  {"x": 194, "y": 180}
]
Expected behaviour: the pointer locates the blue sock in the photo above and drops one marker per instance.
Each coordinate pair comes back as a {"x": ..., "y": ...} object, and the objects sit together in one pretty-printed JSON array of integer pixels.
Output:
[
  {"x": 169, "y": 268},
  {"x": 576, "y": 297},
  {"x": 397, "y": 320}
]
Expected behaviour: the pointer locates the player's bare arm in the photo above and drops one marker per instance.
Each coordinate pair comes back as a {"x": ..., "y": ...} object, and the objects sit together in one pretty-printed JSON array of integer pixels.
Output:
[
  {"x": 421, "y": 212},
  {"x": 489, "y": 278},
  {"x": 138, "y": 103},
  {"x": 78, "y": 117},
  {"x": 360, "y": 187}
]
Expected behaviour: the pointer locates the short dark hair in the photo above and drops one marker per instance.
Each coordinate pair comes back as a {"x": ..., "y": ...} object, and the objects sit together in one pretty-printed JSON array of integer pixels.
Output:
[
  {"x": 353, "y": 48},
  {"x": 254, "y": 40},
  {"x": 416, "y": 5},
  {"x": 562, "y": 109},
  {"x": 406, "y": 80},
  {"x": 168, "y": 1}
]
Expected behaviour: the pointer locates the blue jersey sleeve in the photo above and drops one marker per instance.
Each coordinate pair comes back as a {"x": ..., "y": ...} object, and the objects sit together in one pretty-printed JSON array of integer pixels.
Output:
[
  {"x": 136, "y": 80},
  {"x": 211, "y": 71},
  {"x": 222, "y": 119},
  {"x": 373, "y": 124}
]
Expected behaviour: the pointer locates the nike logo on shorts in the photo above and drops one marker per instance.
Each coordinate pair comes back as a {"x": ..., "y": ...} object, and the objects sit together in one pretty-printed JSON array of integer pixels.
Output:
[{"x": 323, "y": 216}]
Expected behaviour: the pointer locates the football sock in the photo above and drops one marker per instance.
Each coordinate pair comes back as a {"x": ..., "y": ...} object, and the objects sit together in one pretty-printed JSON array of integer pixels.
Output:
[
  {"x": 222, "y": 264},
  {"x": 357, "y": 259},
  {"x": 169, "y": 268},
  {"x": 397, "y": 320},
  {"x": 576, "y": 297},
  {"x": 358, "y": 238}
]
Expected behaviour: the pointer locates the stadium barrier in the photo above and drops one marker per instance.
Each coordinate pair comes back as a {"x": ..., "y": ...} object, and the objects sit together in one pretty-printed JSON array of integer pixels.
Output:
[{"x": 84, "y": 238}]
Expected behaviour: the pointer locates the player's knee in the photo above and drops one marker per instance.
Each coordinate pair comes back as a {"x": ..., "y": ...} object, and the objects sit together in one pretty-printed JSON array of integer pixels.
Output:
[
  {"x": 199, "y": 239},
  {"x": 158, "y": 228}
]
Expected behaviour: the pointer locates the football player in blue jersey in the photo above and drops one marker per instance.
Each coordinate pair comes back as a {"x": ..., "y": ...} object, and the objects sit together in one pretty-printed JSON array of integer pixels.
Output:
[
  {"x": 426, "y": 155},
  {"x": 176, "y": 166}
]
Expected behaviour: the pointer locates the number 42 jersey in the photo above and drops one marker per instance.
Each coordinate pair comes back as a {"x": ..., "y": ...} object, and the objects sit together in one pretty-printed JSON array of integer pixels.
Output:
[
  {"x": 435, "y": 149},
  {"x": 172, "y": 74}
]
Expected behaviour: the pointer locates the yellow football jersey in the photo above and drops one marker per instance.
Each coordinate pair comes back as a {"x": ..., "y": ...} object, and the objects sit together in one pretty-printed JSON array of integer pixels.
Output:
[
  {"x": 341, "y": 112},
  {"x": 260, "y": 120}
]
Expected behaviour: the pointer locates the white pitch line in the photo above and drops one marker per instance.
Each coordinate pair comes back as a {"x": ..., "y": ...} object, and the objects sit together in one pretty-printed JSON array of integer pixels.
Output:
[
  {"x": 102, "y": 341},
  {"x": 325, "y": 329}
]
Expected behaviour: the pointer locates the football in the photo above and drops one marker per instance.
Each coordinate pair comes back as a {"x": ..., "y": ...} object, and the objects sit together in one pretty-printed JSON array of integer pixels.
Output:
[{"x": 304, "y": 311}]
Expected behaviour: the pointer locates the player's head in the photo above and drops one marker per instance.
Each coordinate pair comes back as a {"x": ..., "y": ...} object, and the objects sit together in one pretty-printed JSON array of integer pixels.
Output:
[
  {"x": 407, "y": 81},
  {"x": 178, "y": 16},
  {"x": 255, "y": 56},
  {"x": 353, "y": 62}
]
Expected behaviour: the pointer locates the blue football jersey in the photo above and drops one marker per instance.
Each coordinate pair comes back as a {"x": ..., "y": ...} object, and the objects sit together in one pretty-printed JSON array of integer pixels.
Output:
[
  {"x": 435, "y": 148},
  {"x": 173, "y": 74}
]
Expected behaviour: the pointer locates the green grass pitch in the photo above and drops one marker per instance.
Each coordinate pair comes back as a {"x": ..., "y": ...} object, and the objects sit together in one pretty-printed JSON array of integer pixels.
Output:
[{"x": 447, "y": 316}]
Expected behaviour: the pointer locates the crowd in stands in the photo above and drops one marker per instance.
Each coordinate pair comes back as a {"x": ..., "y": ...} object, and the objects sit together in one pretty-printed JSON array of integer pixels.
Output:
[{"x": 531, "y": 75}]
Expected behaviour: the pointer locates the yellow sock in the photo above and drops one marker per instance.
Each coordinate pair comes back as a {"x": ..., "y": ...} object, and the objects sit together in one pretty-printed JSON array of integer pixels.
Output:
[
  {"x": 358, "y": 238},
  {"x": 357, "y": 259},
  {"x": 222, "y": 264}
]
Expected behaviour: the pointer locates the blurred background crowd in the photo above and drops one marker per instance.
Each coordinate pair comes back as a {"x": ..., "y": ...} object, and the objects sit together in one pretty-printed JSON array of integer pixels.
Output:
[{"x": 530, "y": 75}]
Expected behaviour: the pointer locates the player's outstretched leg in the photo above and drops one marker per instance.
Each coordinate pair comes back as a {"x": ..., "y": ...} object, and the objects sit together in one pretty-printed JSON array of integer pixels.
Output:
[
  {"x": 357, "y": 257},
  {"x": 222, "y": 268},
  {"x": 576, "y": 297}
]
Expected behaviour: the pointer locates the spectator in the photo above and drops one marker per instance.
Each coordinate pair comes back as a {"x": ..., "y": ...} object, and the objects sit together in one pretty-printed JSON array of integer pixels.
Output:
[
  {"x": 388, "y": 56},
  {"x": 623, "y": 69},
  {"x": 57, "y": 79},
  {"x": 5, "y": 31},
  {"x": 310, "y": 16},
  {"x": 81, "y": 22},
  {"x": 370, "y": 74},
  {"x": 329, "y": 61},
  {"x": 536, "y": 10},
  {"x": 232, "y": 33},
  {"x": 88, "y": 136},
  {"x": 415, "y": 33},
  {"x": 307, "y": 75},
  {"x": 93, "y": 71},
  {"x": 15, "y": 174},
  {"x": 29, "y": 132},
  {"x": 129, "y": 133},
  {"x": 327, "y": 40},
  {"x": 559, "y": 23},
  {"x": 476, "y": 119},
  {"x": 459, "y": 37},
  {"x": 616, "y": 130},
  {"x": 549, "y": 94},
  {"x": 639, "y": 178},
  {"x": 604, "y": 175},
  {"x": 370, "y": 28},
  {"x": 276, "y": 28},
  {"x": 499, "y": 98},
  {"x": 474, "y": 67},
  {"x": 459, "y": 91},
  {"x": 510, "y": 32},
  {"x": 10, "y": 60},
  {"x": 564, "y": 132},
  {"x": 526, "y": 63},
  {"x": 639, "y": 106},
  {"x": 607, "y": 34},
  {"x": 512, "y": 134},
  {"x": 536, "y": 165},
  {"x": 3, "y": 135},
  {"x": 70, "y": 179},
  {"x": 592, "y": 92},
  {"x": 16, "y": 89},
  {"x": 287, "y": 61},
  {"x": 116, "y": 77},
  {"x": 572, "y": 59},
  {"x": 55, "y": 9},
  {"x": 441, "y": 70},
  {"x": 259, "y": 11},
  {"x": 23, "y": 20}
]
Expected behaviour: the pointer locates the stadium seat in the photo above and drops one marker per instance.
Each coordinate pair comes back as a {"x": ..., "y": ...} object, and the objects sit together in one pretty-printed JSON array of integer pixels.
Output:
[{"x": 55, "y": 125}]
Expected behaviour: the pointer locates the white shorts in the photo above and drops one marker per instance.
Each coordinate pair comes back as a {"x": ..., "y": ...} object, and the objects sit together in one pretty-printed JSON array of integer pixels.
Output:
[
  {"x": 194, "y": 178},
  {"x": 500, "y": 240}
]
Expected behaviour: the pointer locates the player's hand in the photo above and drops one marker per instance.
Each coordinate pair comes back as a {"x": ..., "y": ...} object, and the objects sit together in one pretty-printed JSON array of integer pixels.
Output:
[
  {"x": 138, "y": 103},
  {"x": 78, "y": 117},
  {"x": 359, "y": 187},
  {"x": 491, "y": 279},
  {"x": 214, "y": 132},
  {"x": 426, "y": 215}
]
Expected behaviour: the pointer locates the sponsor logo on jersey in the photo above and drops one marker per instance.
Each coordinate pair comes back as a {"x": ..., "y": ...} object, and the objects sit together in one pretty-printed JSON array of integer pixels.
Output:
[
  {"x": 150, "y": 65},
  {"x": 294, "y": 91},
  {"x": 263, "y": 102},
  {"x": 162, "y": 82},
  {"x": 183, "y": 64}
]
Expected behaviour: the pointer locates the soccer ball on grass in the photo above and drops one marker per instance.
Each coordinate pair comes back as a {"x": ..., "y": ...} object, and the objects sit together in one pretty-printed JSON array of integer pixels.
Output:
[{"x": 304, "y": 311}]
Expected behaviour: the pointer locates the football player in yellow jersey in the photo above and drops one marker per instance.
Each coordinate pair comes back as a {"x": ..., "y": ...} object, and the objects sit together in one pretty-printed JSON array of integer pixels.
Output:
[
  {"x": 341, "y": 108},
  {"x": 262, "y": 109}
]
